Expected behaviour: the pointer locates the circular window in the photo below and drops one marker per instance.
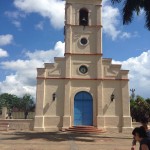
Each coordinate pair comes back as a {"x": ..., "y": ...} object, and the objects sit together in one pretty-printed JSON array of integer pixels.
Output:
[
  {"x": 83, "y": 69},
  {"x": 83, "y": 41}
]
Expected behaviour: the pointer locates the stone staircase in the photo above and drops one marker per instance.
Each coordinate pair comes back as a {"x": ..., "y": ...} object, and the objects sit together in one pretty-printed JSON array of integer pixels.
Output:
[{"x": 85, "y": 129}]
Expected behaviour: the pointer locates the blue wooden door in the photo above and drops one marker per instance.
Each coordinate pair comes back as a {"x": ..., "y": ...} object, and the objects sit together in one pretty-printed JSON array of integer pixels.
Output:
[{"x": 83, "y": 109}]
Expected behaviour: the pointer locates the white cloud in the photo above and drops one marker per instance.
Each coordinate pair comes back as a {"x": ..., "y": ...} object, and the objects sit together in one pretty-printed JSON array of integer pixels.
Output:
[
  {"x": 24, "y": 78},
  {"x": 16, "y": 23},
  {"x": 52, "y": 9},
  {"x": 6, "y": 39},
  {"x": 111, "y": 22},
  {"x": 3, "y": 53},
  {"x": 15, "y": 17},
  {"x": 126, "y": 35},
  {"x": 48, "y": 55},
  {"x": 14, "y": 14},
  {"x": 139, "y": 73},
  {"x": 39, "y": 25}
]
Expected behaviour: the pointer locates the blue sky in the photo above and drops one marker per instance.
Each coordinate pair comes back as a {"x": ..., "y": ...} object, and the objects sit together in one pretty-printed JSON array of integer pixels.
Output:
[{"x": 31, "y": 33}]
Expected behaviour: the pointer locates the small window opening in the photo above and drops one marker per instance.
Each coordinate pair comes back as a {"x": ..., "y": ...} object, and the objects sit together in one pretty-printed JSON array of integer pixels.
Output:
[{"x": 83, "y": 17}]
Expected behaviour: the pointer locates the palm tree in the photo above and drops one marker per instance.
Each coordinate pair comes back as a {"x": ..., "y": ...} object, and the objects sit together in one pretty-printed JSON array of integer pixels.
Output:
[{"x": 131, "y": 6}]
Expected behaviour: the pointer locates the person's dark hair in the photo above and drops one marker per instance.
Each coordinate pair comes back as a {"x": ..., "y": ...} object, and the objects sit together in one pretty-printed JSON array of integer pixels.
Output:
[
  {"x": 135, "y": 130},
  {"x": 144, "y": 120},
  {"x": 140, "y": 131}
]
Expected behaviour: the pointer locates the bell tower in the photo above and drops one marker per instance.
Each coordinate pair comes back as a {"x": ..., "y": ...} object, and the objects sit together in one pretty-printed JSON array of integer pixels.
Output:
[
  {"x": 83, "y": 27},
  {"x": 83, "y": 38},
  {"x": 83, "y": 53}
]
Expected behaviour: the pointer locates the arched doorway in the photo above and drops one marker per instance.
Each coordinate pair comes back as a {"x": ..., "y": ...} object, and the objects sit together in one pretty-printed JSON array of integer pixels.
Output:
[{"x": 83, "y": 109}]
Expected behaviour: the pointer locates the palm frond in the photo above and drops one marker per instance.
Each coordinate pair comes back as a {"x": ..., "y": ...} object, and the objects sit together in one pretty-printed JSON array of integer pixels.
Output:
[
  {"x": 129, "y": 7},
  {"x": 147, "y": 13},
  {"x": 127, "y": 12}
]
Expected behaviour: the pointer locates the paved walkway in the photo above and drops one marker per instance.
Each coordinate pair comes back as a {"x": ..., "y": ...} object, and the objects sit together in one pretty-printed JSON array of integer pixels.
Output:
[{"x": 64, "y": 141}]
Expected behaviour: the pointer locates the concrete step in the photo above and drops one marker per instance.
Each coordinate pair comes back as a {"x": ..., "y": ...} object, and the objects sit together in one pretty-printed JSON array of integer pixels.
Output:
[{"x": 85, "y": 129}]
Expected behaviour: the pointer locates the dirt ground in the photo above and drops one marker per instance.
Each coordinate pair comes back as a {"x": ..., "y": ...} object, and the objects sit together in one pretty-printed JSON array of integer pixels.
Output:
[{"x": 64, "y": 141}]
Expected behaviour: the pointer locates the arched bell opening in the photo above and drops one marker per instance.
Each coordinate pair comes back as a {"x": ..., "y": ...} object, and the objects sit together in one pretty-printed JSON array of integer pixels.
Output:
[{"x": 83, "y": 17}]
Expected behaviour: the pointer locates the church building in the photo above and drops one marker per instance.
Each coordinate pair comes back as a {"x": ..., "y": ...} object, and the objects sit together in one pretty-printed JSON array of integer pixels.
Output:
[{"x": 82, "y": 88}]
